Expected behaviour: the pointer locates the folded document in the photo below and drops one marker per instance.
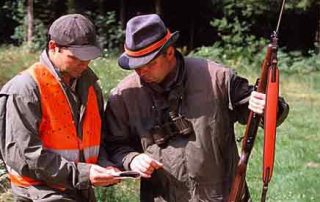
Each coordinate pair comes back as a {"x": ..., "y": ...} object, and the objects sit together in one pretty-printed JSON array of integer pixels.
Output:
[{"x": 126, "y": 174}]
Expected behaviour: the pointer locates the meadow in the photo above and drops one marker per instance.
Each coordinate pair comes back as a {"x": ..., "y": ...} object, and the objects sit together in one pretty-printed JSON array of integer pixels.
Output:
[{"x": 297, "y": 161}]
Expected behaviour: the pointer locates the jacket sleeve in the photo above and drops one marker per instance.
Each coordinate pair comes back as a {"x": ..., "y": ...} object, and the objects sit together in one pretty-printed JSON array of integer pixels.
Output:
[
  {"x": 239, "y": 93},
  {"x": 121, "y": 145},
  {"x": 24, "y": 152},
  {"x": 102, "y": 158}
]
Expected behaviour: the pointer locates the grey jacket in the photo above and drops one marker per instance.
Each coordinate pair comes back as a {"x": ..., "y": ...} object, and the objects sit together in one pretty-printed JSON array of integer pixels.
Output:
[
  {"x": 22, "y": 149},
  {"x": 198, "y": 167}
]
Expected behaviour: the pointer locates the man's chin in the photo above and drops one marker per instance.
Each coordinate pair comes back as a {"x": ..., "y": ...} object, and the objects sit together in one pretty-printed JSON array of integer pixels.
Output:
[
  {"x": 150, "y": 81},
  {"x": 77, "y": 75}
]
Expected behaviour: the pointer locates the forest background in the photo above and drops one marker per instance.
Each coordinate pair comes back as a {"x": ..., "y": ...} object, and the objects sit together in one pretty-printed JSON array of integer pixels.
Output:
[{"x": 232, "y": 32}]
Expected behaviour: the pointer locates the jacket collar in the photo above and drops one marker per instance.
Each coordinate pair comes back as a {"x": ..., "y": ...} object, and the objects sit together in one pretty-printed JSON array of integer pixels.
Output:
[
  {"x": 88, "y": 77},
  {"x": 171, "y": 93}
]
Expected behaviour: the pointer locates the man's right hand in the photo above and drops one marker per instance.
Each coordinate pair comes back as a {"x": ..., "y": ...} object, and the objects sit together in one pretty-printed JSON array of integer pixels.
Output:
[
  {"x": 145, "y": 165},
  {"x": 100, "y": 176}
]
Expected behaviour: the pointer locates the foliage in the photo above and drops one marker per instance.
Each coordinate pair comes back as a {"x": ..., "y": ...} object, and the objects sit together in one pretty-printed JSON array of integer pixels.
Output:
[
  {"x": 240, "y": 49},
  {"x": 14, "y": 60},
  {"x": 111, "y": 36},
  {"x": 8, "y": 14},
  {"x": 296, "y": 62},
  {"x": 20, "y": 30},
  {"x": 127, "y": 191},
  {"x": 234, "y": 28},
  {"x": 109, "y": 73},
  {"x": 301, "y": 4},
  {"x": 39, "y": 30},
  {"x": 249, "y": 17},
  {"x": 291, "y": 62}
]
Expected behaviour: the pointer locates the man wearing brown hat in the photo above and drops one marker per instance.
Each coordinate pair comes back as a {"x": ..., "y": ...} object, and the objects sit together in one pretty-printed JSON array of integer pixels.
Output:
[
  {"x": 173, "y": 119},
  {"x": 51, "y": 120}
]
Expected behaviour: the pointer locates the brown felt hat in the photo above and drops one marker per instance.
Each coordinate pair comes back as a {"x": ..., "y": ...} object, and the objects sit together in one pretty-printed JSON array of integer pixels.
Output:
[
  {"x": 146, "y": 36},
  {"x": 78, "y": 34}
]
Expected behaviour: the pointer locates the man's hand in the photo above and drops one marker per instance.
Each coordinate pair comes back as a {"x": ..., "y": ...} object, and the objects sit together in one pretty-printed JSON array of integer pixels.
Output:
[
  {"x": 100, "y": 176},
  {"x": 257, "y": 102},
  {"x": 145, "y": 165}
]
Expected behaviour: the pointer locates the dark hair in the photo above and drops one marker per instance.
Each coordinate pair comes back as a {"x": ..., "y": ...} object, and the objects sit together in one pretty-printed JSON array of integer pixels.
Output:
[
  {"x": 165, "y": 49},
  {"x": 58, "y": 45}
]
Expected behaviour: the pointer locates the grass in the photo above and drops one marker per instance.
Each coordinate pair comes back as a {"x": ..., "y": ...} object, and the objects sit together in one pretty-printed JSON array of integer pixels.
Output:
[
  {"x": 14, "y": 60},
  {"x": 297, "y": 162},
  {"x": 109, "y": 73}
]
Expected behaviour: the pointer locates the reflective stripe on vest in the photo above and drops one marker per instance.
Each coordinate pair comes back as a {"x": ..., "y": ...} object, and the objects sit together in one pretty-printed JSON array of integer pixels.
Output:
[
  {"x": 73, "y": 155},
  {"x": 57, "y": 129},
  {"x": 23, "y": 181}
]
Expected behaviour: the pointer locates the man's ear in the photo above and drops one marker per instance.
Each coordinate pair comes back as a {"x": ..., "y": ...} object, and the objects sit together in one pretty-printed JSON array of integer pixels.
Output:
[
  {"x": 170, "y": 52},
  {"x": 52, "y": 45}
]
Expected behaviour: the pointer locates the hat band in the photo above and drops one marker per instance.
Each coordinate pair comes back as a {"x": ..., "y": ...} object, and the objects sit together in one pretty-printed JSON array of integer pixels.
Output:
[{"x": 150, "y": 48}]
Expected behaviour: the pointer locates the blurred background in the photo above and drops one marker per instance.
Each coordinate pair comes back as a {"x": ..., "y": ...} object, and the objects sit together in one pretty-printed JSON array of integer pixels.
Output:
[{"x": 232, "y": 32}]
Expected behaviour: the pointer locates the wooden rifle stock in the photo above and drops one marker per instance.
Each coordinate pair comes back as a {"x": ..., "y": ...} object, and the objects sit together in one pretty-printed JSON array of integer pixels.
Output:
[
  {"x": 268, "y": 83},
  {"x": 238, "y": 188}
]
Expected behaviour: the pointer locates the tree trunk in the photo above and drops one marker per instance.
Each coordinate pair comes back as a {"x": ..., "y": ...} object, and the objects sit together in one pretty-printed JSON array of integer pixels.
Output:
[
  {"x": 157, "y": 5},
  {"x": 123, "y": 14},
  {"x": 191, "y": 33},
  {"x": 30, "y": 21},
  {"x": 101, "y": 8},
  {"x": 317, "y": 36}
]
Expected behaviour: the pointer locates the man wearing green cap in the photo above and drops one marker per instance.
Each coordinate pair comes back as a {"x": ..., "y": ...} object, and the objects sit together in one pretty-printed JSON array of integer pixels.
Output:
[
  {"x": 51, "y": 120},
  {"x": 172, "y": 120}
]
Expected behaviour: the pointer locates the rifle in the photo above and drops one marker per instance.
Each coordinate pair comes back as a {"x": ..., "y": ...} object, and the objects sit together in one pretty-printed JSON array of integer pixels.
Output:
[{"x": 268, "y": 83}]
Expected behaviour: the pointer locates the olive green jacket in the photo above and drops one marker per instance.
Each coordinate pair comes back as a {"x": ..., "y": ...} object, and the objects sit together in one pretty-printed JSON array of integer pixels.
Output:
[{"x": 198, "y": 167}]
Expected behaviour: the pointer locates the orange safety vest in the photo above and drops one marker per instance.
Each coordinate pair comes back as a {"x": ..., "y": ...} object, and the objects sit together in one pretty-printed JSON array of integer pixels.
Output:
[{"x": 57, "y": 129}]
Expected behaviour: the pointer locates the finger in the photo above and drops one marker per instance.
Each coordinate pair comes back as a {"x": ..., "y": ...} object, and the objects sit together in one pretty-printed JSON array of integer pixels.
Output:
[
  {"x": 151, "y": 162},
  {"x": 156, "y": 164},
  {"x": 107, "y": 182},
  {"x": 152, "y": 166},
  {"x": 103, "y": 177},
  {"x": 256, "y": 108},
  {"x": 98, "y": 169},
  {"x": 115, "y": 169},
  {"x": 148, "y": 170},
  {"x": 144, "y": 164},
  {"x": 257, "y": 103},
  {"x": 104, "y": 181},
  {"x": 257, "y": 100},
  {"x": 145, "y": 175},
  {"x": 142, "y": 169},
  {"x": 112, "y": 182},
  {"x": 258, "y": 95}
]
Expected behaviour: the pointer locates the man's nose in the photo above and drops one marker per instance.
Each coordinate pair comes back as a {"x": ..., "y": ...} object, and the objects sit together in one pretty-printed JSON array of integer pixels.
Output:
[
  {"x": 142, "y": 70},
  {"x": 84, "y": 64}
]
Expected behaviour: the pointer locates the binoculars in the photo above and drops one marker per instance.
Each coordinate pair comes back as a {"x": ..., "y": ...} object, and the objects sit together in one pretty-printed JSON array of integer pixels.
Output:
[{"x": 176, "y": 125}]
